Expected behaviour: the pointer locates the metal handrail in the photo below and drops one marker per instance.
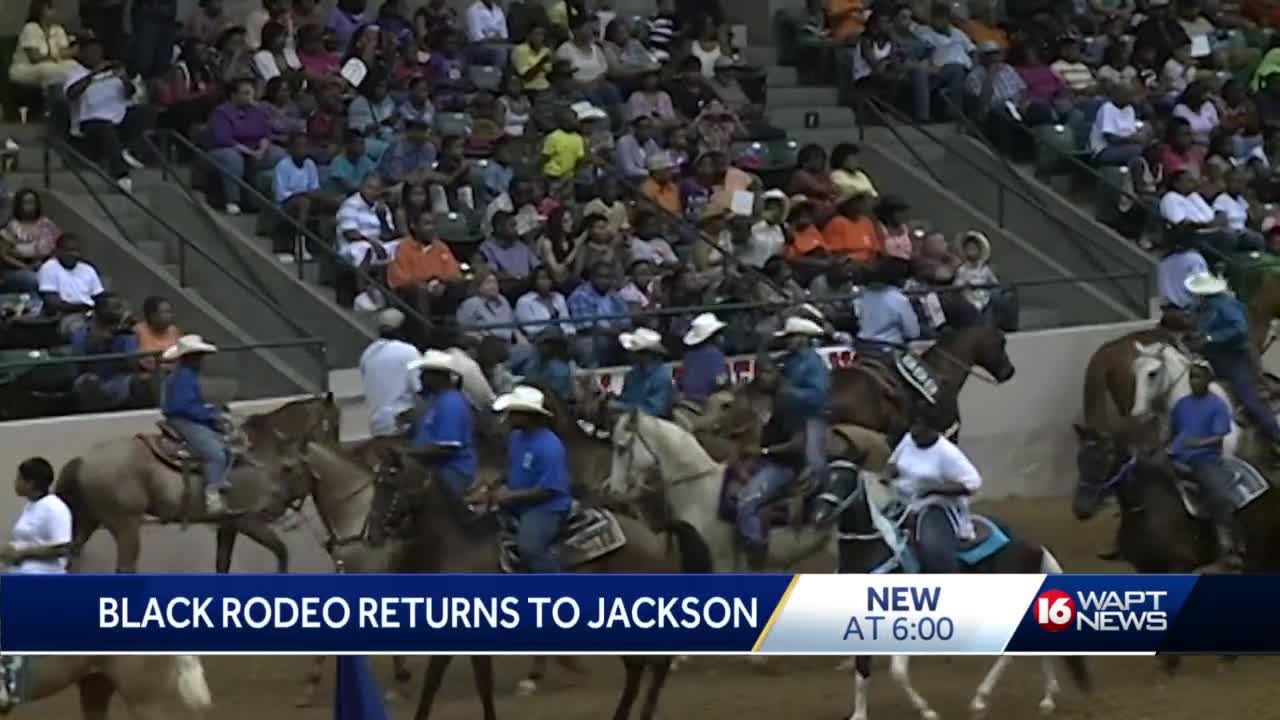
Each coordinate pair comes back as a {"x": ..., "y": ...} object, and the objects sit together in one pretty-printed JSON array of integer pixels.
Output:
[
  {"x": 314, "y": 241},
  {"x": 74, "y": 161},
  {"x": 140, "y": 354}
]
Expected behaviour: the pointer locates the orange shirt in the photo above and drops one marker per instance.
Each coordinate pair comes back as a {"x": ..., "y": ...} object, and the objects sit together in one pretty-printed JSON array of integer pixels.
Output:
[
  {"x": 846, "y": 18},
  {"x": 857, "y": 239},
  {"x": 666, "y": 196},
  {"x": 805, "y": 241},
  {"x": 416, "y": 263},
  {"x": 150, "y": 341}
]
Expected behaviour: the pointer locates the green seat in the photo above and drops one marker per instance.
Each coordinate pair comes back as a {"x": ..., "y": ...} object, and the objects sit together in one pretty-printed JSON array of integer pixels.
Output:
[
  {"x": 454, "y": 227},
  {"x": 453, "y": 124},
  {"x": 1114, "y": 182},
  {"x": 1053, "y": 145},
  {"x": 485, "y": 77}
]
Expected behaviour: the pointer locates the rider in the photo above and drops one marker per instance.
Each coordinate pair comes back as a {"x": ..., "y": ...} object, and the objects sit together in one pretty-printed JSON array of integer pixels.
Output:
[
  {"x": 804, "y": 391},
  {"x": 935, "y": 479},
  {"x": 886, "y": 320},
  {"x": 781, "y": 459},
  {"x": 537, "y": 487},
  {"x": 647, "y": 386},
  {"x": 1222, "y": 324},
  {"x": 200, "y": 424},
  {"x": 1198, "y": 424},
  {"x": 443, "y": 438},
  {"x": 706, "y": 369}
]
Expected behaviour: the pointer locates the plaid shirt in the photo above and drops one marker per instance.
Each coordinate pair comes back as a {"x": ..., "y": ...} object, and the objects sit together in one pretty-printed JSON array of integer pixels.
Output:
[{"x": 1006, "y": 85}]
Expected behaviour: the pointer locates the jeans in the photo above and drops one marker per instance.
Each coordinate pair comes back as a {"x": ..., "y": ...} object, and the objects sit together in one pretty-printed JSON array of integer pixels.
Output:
[
  {"x": 18, "y": 281},
  {"x": 1237, "y": 371},
  {"x": 764, "y": 485},
  {"x": 815, "y": 447},
  {"x": 207, "y": 444},
  {"x": 936, "y": 544},
  {"x": 234, "y": 168},
  {"x": 1118, "y": 154},
  {"x": 105, "y": 142},
  {"x": 151, "y": 46},
  {"x": 948, "y": 82},
  {"x": 536, "y": 540},
  {"x": 1215, "y": 488},
  {"x": 102, "y": 394}
]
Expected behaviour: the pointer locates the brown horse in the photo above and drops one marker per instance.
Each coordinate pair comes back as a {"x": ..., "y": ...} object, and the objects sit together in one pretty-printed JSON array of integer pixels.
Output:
[
  {"x": 153, "y": 687},
  {"x": 1109, "y": 385},
  {"x": 117, "y": 483}
]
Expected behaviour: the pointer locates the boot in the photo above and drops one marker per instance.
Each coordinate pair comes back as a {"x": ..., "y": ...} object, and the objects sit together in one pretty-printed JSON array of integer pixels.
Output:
[{"x": 213, "y": 503}]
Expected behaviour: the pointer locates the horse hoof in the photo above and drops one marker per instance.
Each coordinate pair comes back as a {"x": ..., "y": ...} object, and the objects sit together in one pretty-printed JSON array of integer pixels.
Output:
[
  {"x": 678, "y": 661},
  {"x": 978, "y": 707},
  {"x": 847, "y": 665},
  {"x": 1047, "y": 706},
  {"x": 929, "y": 714},
  {"x": 858, "y": 716},
  {"x": 305, "y": 701},
  {"x": 526, "y": 688}
]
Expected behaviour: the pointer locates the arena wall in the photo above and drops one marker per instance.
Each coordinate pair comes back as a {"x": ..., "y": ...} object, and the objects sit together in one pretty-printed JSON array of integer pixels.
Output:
[{"x": 1019, "y": 434}]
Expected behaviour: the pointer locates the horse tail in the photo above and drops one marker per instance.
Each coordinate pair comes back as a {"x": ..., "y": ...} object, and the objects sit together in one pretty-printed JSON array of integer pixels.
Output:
[
  {"x": 1077, "y": 665},
  {"x": 695, "y": 556},
  {"x": 192, "y": 687},
  {"x": 67, "y": 487}
]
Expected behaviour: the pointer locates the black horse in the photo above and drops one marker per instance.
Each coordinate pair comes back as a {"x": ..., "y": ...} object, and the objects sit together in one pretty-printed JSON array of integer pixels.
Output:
[{"x": 863, "y": 548}]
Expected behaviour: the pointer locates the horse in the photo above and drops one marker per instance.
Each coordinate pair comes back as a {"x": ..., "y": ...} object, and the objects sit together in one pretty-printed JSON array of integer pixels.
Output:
[
  {"x": 116, "y": 483},
  {"x": 863, "y": 548},
  {"x": 152, "y": 687},
  {"x": 445, "y": 537},
  {"x": 1109, "y": 380},
  {"x": 1161, "y": 378}
]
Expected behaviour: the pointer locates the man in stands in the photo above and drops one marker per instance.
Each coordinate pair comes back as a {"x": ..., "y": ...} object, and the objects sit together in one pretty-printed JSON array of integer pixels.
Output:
[
  {"x": 296, "y": 187},
  {"x": 390, "y": 387},
  {"x": 425, "y": 272},
  {"x": 70, "y": 285},
  {"x": 950, "y": 58},
  {"x": 366, "y": 226},
  {"x": 106, "y": 385},
  {"x": 98, "y": 92},
  {"x": 598, "y": 297}
]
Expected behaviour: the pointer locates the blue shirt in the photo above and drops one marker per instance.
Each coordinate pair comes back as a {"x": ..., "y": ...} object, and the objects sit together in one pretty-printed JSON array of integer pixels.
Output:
[
  {"x": 183, "y": 399},
  {"x": 806, "y": 383},
  {"x": 447, "y": 422},
  {"x": 118, "y": 343},
  {"x": 404, "y": 158},
  {"x": 1173, "y": 271},
  {"x": 1196, "y": 417},
  {"x": 649, "y": 390},
  {"x": 705, "y": 369},
  {"x": 537, "y": 459},
  {"x": 1224, "y": 321},
  {"x": 290, "y": 180},
  {"x": 552, "y": 374},
  {"x": 585, "y": 302},
  {"x": 346, "y": 176},
  {"x": 497, "y": 178},
  {"x": 887, "y": 316}
]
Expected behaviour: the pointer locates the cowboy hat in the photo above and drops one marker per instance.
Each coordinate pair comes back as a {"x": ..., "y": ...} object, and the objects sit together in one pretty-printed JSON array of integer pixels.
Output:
[
  {"x": 390, "y": 319},
  {"x": 983, "y": 244},
  {"x": 800, "y": 326},
  {"x": 188, "y": 345},
  {"x": 586, "y": 111},
  {"x": 522, "y": 398},
  {"x": 660, "y": 161},
  {"x": 702, "y": 328},
  {"x": 434, "y": 360},
  {"x": 642, "y": 340},
  {"x": 1204, "y": 283}
]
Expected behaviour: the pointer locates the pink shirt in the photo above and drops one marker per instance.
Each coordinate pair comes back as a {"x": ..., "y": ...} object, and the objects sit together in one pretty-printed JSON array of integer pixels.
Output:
[{"x": 1042, "y": 82}]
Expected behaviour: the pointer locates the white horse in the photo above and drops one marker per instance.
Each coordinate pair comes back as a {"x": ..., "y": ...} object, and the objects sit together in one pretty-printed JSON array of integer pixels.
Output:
[
  {"x": 645, "y": 446},
  {"x": 1161, "y": 377}
]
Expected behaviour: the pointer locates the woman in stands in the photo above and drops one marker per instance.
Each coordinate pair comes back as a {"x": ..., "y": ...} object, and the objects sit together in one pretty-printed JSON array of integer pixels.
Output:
[
  {"x": 191, "y": 90},
  {"x": 43, "y": 56},
  {"x": 812, "y": 180},
  {"x": 25, "y": 243},
  {"x": 41, "y": 539}
]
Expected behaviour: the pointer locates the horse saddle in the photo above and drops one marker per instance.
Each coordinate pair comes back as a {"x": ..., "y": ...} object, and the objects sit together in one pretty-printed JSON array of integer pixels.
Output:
[
  {"x": 169, "y": 447},
  {"x": 14, "y": 674},
  {"x": 905, "y": 368},
  {"x": 588, "y": 534},
  {"x": 988, "y": 539},
  {"x": 1245, "y": 486},
  {"x": 790, "y": 507}
]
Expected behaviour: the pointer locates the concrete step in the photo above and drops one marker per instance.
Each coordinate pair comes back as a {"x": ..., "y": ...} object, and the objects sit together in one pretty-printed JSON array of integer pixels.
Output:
[
  {"x": 826, "y": 137},
  {"x": 780, "y": 77},
  {"x": 786, "y": 97},
  {"x": 66, "y": 180},
  {"x": 829, "y": 117},
  {"x": 761, "y": 55},
  {"x": 29, "y": 134},
  {"x": 156, "y": 250}
]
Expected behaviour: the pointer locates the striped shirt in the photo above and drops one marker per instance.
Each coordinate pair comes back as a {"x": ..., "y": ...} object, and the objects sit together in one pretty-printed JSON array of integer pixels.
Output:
[
  {"x": 1077, "y": 76},
  {"x": 357, "y": 214}
]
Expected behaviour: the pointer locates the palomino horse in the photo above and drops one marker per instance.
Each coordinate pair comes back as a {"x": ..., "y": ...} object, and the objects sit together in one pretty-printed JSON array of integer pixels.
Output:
[
  {"x": 1161, "y": 378},
  {"x": 153, "y": 687},
  {"x": 118, "y": 482},
  {"x": 445, "y": 538},
  {"x": 863, "y": 548}
]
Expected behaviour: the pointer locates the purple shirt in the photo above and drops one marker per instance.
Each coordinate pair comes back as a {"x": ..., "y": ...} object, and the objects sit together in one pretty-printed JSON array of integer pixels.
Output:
[
  {"x": 343, "y": 25},
  {"x": 515, "y": 260},
  {"x": 231, "y": 124}
]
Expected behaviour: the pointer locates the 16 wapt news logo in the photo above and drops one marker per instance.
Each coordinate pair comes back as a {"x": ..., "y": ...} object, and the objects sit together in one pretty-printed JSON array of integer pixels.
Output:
[{"x": 1102, "y": 611}]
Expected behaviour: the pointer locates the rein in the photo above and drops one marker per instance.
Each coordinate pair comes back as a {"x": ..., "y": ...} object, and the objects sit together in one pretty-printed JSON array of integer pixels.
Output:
[{"x": 967, "y": 368}]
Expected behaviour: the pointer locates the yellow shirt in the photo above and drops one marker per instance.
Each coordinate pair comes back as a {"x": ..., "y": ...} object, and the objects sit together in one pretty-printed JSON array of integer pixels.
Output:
[
  {"x": 561, "y": 152},
  {"x": 849, "y": 183},
  {"x": 558, "y": 13},
  {"x": 523, "y": 58}
]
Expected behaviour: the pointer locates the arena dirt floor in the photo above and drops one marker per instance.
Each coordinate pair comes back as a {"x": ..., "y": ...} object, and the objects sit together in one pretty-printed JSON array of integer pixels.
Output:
[{"x": 249, "y": 688}]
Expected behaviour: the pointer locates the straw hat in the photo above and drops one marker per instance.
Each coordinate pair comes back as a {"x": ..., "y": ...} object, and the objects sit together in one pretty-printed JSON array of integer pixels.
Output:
[
  {"x": 800, "y": 326},
  {"x": 390, "y": 319},
  {"x": 188, "y": 345},
  {"x": 702, "y": 328},
  {"x": 1204, "y": 283},
  {"x": 984, "y": 244},
  {"x": 642, "y": 340},
  {"x": 522, "y": 398},
  {"x": 660, "y": 161},
  {"x": 434, "y": 360}
]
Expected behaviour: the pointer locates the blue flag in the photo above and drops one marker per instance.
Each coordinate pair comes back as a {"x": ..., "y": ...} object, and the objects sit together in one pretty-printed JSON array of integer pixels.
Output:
[{"x": 356, "y": 692}]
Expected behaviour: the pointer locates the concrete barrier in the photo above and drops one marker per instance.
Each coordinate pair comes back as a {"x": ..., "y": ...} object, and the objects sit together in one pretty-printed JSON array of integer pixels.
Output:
[{"x": 1019, "y": 435}]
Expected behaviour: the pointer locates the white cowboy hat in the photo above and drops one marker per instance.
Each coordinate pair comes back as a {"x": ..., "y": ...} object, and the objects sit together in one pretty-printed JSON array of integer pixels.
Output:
[
  {"x": 800, "y": 326},
  {"x": 660, "y": 161},
  {"x": 642, "y": 340},
  {"x": 390, "y": 319},
  {"x": 434, "y": 360},
  {"x": 522, "y": 398},
  {"x": 702, "y": 328},
  {"x": 188, "y": 345},
  {"x": 1204, "y": 283},
  {"x": 587, "y": 111}
]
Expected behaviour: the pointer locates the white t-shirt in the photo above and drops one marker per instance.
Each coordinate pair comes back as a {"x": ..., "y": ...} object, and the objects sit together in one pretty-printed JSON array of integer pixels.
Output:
[
  {"x": 587, "y": 66},
  {"x": 1203, "y": 121},
  {"x": 77, "y": 286},
  {"x": 265, "y": 65},
  {"x": 766, "y": 241},
  {"x": 103, "y": 99},
  {"x": 921, "y": 469},
  {"x": 44, "y": 522},
  {"x": 389, "y": 386},
  {"x": 1185, "y": 208},
  {"x": 1112, "y": 120},
  {"x": 485, "y": 23},
  {"x": 1235, "y": 208}
]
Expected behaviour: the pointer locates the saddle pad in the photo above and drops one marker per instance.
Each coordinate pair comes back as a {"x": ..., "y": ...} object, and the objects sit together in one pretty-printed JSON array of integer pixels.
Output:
[
  {"x": 14, "y": 673},
  {"x": 918, "y": 375},
  {"x": 1247, "y": 485},
  {"x": 988, "y": 539},
  {"x": 588, "y": 534}
]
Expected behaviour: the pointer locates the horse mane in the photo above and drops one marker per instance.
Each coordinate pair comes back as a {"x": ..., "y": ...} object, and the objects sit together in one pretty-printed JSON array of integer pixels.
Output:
[{"x": 690, "y": 460}]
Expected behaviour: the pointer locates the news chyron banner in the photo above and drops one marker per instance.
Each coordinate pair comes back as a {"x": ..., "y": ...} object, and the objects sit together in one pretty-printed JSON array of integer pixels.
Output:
[{"x": 637, "y": 614}]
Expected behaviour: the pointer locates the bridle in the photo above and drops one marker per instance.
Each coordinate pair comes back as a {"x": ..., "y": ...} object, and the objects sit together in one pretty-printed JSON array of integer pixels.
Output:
[
  {"x": 332, "y": 541},
  {"x": 1113, "y": 481},
  {"x": 641, "y": 487},
  {"x": 1164, "y": 395}
]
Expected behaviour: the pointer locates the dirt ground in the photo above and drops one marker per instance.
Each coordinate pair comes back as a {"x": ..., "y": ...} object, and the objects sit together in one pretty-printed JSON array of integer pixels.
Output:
[{"x": 248, "y": 688}]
